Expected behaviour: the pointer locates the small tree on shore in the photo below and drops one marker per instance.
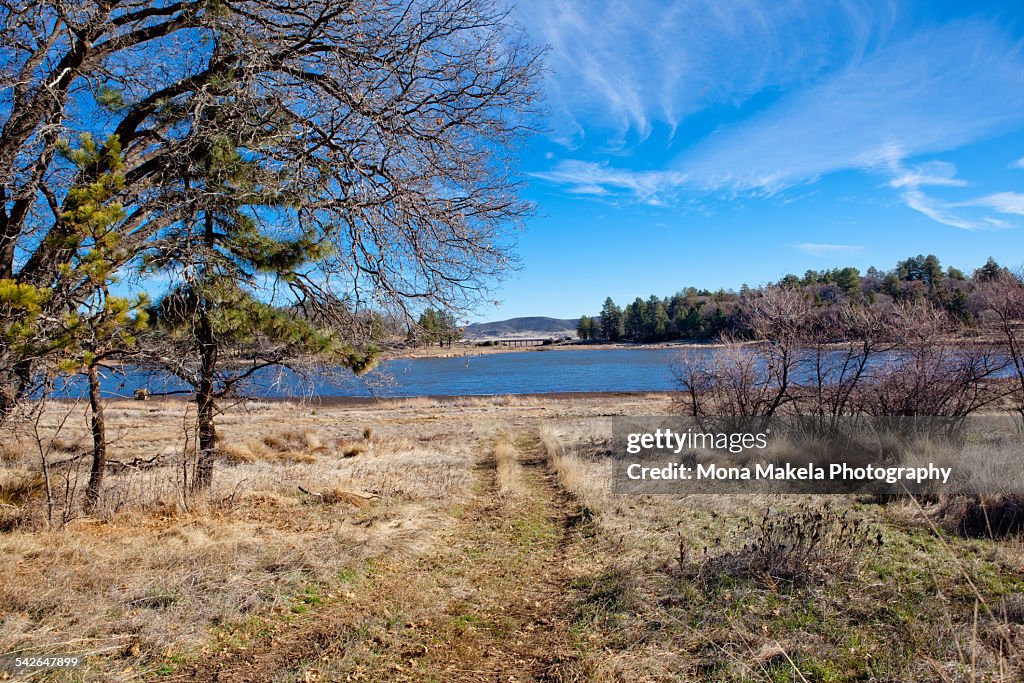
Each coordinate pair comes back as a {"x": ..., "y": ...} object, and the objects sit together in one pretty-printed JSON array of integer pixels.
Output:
[
  {"x": 221, "y": 260},
  {"x": 435, "y": 327},
  {"x": 215, "y": 336},
  {"x": 108, "y": 331},
  {"x": 102, "y": 327},
  {"x": 586, "y": 328}
]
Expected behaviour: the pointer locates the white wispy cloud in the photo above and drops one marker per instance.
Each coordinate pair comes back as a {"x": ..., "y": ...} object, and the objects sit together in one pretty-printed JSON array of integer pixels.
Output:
[
  {"x": 943, "y": 212},
  {"x": 936, "y": 91},
  {"x": 857, "y": 97},
  {"x": 589, "y": 178},
  {"x": 931, "y": 173},
  {"x": 624, "y": 66},
  {"x": 1019, "y": 163},
  {"x": 966, "y": 214},
  {"x": 1003, "y": 202},
  {"x": 819, "y": 249}
]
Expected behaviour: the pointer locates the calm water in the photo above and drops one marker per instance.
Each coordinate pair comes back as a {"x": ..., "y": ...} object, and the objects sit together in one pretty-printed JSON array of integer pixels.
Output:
[
  {"x": 500, "y": 373},
  {"x": 526, "y": 372}
]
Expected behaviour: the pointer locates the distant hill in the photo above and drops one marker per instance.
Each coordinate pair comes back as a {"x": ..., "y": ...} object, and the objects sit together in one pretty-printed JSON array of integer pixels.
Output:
[{"x": 523, "y": 327}]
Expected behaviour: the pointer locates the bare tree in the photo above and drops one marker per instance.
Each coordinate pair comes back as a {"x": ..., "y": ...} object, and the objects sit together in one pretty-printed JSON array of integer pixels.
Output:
[
  {"x": 391, "y": 126},
  {"x": 928, "y": 375},
  {"x": 731, "y": 380},
  {"x": 780, "y": 319},
  {"x": 841, "y": 343},
  {"x": 1001, "y": 301},
  {"x": 757, "y": 378}
]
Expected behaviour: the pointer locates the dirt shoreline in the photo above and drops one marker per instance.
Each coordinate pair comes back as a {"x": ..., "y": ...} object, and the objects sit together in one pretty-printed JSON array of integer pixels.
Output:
[
  {"x": 344, "y": 401},
  {"x": 552, "y": 396}
]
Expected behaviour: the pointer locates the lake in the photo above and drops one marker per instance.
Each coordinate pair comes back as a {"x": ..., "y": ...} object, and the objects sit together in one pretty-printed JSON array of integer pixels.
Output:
[{"x": 525, "y": 372}]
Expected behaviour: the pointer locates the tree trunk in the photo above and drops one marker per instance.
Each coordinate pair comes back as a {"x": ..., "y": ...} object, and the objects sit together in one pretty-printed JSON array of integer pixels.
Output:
[
  {"x": 15, "y": 375},
  {"x": 99, "y": 441},
  {"x": 203, "y": 478},
  {"x": 8, "y": 394},
  {"x": 205, "y": 399}
]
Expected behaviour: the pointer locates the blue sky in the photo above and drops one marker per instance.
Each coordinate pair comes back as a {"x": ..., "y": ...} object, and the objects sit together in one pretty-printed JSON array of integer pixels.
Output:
[{"x": 713, "y": 143}]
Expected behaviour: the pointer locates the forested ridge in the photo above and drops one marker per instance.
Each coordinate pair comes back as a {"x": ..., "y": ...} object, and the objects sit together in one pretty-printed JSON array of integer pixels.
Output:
[{"x": 702, "y": 314}]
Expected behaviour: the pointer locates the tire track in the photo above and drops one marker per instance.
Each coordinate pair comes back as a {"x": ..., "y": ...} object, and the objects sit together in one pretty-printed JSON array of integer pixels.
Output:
[{"x": 490, "y": 603}]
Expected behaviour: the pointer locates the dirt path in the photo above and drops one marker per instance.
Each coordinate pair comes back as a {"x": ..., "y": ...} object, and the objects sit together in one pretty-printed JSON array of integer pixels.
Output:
[{"x": 491, "y": 603}]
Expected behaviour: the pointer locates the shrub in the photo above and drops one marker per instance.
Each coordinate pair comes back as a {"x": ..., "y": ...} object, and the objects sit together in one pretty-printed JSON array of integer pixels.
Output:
[
  {"x": 808, "y": 545},
  {"x": 982, "y": 516}
]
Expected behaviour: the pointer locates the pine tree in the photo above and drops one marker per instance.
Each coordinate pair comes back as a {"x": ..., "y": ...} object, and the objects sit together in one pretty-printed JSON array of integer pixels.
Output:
[
  {"x": 611, "y": 321},
  {"x": 660, "y": 322},
  {"x": 102, "y": 327},
  {"x": 695, "y": 325},
  {"x": 585, "y": 328},
  {"x": 790, "y": 281},
  {"x": 848, "y": 280},
  {"x": 219, "y": 258},
  {"x": 921, "y": 268},
  {"x": 933, "y": 272},
  {"x": 436, "y": 327},
  {"x": 107, "y": 329},
  {"x": 633, "y": 321},
  {"x": 990, "y": 271}
]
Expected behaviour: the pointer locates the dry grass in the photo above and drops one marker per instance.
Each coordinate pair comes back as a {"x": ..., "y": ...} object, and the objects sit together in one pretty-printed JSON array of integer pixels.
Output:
[
  {"x": 576, "y": 453},
  {"x": 153, "y": 571},
  {"x": 506, "y": 467},
  {"x": 20, "y": 487},
  {"x": 303, "y": 497},
  {"x": 306, "y": 498},
  {"x": 288, "y": 446},
  {"x": 779, "y": 588}
]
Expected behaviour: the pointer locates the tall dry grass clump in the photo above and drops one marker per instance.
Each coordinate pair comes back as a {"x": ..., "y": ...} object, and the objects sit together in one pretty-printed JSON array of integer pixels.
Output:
[
  {"x": 288, "y": 445},
  {"x": 581, "y": 464},
  {"x": 506, "y": 468}
]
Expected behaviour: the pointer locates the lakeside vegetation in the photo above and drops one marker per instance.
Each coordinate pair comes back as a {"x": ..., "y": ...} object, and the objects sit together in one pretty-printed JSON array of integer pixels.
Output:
[{"x": 213, "y": 189}]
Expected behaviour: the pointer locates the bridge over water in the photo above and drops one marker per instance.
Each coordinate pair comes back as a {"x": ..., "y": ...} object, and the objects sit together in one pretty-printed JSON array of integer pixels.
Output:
[{"x": 522, "y": 342}]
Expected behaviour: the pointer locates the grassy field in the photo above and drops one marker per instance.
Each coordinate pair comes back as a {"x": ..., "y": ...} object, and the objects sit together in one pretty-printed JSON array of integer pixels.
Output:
[{"x": 471, "y": 539}]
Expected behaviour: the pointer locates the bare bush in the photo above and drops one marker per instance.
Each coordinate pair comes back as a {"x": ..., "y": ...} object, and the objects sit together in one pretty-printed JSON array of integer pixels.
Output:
[
  {"x": 808, "y": 545},
  {"x": 841, "y": 344},
  {"x": 735, "y": 380},
  {"x": 751, "y": 379},
  {"x": 1001, "y": 303},
  {"x": 982, "y": 516},
  {"x": 927, "y": 375},
  {"x": 846, "y": 360}
]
